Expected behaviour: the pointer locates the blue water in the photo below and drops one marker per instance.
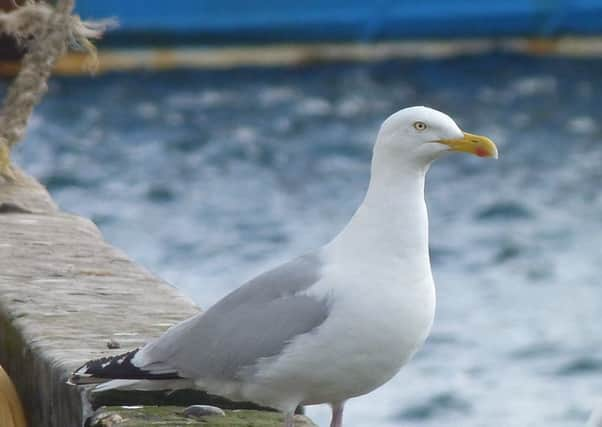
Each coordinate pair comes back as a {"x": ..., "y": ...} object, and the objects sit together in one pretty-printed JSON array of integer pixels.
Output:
[{"x": 207, "y": 178}]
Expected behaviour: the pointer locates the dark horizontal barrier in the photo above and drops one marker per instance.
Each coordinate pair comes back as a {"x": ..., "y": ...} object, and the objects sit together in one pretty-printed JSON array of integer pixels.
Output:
[{"x": 223, "y": 21}]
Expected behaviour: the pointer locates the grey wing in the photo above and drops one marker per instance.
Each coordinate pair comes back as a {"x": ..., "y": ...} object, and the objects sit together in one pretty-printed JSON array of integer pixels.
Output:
[{"x": 257, "y": 320}]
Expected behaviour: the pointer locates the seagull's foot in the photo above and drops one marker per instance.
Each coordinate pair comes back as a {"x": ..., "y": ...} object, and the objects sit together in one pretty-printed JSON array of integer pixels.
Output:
[{"x": 298, "y": 420}]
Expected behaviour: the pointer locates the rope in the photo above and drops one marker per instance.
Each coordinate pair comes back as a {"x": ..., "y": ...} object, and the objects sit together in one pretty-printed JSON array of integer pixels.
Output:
[{"x": 46, "y": 33}]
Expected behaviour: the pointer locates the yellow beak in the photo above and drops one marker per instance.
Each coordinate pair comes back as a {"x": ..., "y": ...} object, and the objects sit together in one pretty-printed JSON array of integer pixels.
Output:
[{"x": 476, "y": 144}]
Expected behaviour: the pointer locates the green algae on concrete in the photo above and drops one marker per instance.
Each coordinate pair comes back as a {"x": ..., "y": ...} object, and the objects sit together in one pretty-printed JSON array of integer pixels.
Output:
[
  {"x": 183, "y": 398},
  {"x": 148, "y": 416}
]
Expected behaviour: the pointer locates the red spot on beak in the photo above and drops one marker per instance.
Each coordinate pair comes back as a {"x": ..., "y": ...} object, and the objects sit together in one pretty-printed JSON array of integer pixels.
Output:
[{"x": 481, "y": 152}]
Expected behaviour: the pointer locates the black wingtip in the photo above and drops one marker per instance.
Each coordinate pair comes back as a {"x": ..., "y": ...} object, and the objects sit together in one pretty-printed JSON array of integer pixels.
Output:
[{"x": 114, "y": 367}]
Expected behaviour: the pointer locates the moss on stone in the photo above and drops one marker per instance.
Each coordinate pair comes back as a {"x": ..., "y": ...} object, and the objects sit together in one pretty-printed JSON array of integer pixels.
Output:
[{"x": 148, "y": 416}]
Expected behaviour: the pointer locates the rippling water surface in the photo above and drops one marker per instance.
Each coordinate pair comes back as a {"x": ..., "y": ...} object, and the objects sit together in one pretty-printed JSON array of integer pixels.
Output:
[{"x": 207, "y": 178}]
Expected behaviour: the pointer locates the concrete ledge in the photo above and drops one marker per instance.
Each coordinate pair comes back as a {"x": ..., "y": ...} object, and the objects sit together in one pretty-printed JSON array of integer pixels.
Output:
[{"x": 64, "y": 294}]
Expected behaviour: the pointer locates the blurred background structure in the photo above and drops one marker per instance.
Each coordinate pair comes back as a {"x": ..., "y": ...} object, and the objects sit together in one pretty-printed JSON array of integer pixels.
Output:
[
  {"x": 212, "y": 33},
  {"x": 254, "y": 146}
]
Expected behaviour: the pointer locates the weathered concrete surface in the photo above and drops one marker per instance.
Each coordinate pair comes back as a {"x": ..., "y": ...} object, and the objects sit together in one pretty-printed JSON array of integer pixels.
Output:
[
  {"x": 171, "y": 416},
  {"x": 64, "y": 294}
]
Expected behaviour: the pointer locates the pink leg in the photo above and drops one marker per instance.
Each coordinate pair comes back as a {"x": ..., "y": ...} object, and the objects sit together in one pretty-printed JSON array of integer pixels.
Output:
[
  {"x": 289, "y": 419},
  {"x": 337, "y": 415}
]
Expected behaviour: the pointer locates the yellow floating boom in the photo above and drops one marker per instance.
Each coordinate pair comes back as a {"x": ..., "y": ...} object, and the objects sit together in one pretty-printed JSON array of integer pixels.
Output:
[
  {"x": 224, "y": 57},
  {"x": 11, "y": 410}
]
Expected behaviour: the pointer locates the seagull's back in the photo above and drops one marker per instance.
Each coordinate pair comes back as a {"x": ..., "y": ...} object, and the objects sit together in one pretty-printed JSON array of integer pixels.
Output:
[{"x": 256, "y": 321}]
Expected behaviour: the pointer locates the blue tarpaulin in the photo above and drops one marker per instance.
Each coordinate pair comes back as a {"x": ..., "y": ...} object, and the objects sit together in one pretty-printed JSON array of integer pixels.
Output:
[{"x": 351, "y": 20}]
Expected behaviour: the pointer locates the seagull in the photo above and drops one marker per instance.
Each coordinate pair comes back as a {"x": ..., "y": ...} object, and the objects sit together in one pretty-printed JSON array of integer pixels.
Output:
[{"x": 332, "y": 324}]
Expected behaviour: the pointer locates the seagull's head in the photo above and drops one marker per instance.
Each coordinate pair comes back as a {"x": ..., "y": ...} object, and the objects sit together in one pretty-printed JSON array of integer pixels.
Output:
[{"x": 420, "y": 135}]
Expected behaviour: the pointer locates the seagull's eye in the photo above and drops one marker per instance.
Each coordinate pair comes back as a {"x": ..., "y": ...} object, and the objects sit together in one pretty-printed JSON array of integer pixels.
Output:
[{"x": 420, "y": 126}]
